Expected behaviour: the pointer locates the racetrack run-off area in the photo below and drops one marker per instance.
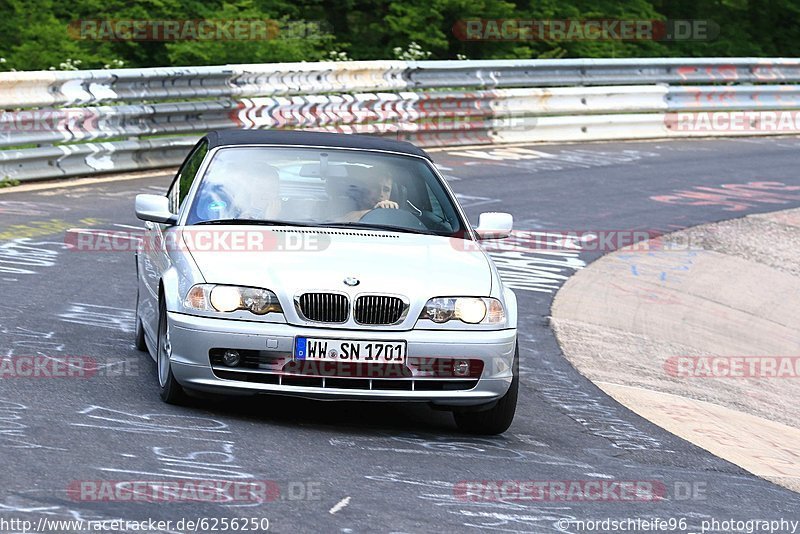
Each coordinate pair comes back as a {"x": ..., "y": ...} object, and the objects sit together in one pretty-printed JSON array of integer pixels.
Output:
[
  {"x": 353, "y": 467},
  {"x": 700, "y": 322}
]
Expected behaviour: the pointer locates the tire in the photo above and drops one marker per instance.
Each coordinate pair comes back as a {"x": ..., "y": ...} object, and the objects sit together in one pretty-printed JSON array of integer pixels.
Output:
[
  {"x": 170, "y": 390},
  {"x": 496, "y": 419},
  {"x": 138, "y": 331}
]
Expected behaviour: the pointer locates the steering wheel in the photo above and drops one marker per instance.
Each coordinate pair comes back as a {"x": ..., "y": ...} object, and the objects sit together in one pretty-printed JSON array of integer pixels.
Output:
[{"x": 394, "y": 217}]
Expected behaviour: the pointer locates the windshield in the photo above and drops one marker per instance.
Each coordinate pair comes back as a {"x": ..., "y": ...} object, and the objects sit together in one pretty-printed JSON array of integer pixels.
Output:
[{"x": 324, "y": 187}]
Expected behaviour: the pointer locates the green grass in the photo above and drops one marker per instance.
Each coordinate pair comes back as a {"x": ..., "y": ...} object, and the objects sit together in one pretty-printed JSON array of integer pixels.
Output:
[{"x": 8, "y": 182}]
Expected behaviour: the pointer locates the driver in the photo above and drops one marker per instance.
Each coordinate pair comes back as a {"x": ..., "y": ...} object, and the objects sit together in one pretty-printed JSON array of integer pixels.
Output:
[{"x": 370, "y": 195}]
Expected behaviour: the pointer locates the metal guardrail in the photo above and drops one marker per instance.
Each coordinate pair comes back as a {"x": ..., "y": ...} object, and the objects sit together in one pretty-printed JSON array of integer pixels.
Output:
[{"x": 85, "y": 122}]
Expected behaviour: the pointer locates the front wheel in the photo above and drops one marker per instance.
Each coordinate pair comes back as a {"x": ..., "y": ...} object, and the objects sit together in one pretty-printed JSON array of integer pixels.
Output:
[
  {"x": 498, "y": 418},
  {"x": 171, "y": 391}
]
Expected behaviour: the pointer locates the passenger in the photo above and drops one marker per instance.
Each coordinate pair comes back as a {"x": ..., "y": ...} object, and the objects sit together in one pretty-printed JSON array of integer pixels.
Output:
[{"x": 261, "y": 199}]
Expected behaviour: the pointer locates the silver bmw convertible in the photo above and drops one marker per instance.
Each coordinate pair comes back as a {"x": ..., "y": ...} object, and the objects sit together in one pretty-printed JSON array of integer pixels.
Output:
[{"x": 328, "y": 266}]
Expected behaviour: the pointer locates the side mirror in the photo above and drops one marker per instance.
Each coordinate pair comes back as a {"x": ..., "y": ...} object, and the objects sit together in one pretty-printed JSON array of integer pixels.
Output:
[
  {"x": 154, "y": 208},
  {"x": 494, "y": 225}
]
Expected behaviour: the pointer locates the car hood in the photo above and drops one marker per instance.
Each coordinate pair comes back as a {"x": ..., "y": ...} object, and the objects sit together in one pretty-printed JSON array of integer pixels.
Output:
[{"x": 292, "y": 262}]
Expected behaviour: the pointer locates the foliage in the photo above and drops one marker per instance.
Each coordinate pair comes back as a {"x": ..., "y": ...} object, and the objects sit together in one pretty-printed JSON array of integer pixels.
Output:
[
  {"x": 37, "y": 34},
  {"x": 8, "y": 182},
  {"x": 413, "y": 53}
]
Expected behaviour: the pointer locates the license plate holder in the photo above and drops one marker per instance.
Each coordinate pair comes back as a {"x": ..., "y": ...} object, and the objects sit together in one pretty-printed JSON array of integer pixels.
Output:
[{"x": 349, "y": 350}]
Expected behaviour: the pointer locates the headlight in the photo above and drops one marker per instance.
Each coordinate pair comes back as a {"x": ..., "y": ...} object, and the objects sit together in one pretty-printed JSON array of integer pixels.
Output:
[
  {"x": 472, "y": 310},
  {"x": 208, "y": 297},
  {"x": 226, "y": 298}
]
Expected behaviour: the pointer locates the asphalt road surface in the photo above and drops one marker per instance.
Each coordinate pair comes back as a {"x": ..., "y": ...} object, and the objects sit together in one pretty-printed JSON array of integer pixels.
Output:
[{"x": 359, "y": 467}]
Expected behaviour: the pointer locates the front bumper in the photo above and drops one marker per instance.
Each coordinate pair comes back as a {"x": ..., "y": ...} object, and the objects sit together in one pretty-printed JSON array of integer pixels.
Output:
[{"x": 192, "y": 338}]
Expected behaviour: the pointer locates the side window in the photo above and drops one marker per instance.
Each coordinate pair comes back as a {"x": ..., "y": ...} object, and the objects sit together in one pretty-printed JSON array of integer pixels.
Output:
[{"x": 186, "y": 175}]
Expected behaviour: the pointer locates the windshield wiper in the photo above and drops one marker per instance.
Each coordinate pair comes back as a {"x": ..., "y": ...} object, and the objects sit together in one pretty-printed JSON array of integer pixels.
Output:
[
  {"x": 372, "y": 226},
  {"x": 261, "y": 222}
]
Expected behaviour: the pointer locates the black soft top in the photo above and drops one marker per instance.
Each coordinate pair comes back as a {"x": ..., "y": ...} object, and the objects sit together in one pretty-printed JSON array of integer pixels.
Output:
[{"x": 296, "y": 137}]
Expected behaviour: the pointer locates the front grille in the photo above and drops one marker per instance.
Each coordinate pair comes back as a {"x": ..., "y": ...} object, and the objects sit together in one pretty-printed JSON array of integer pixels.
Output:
[
  {"x": 421, "y": 374},
  {"x": 364, "y": 384},
  {"x": 324, "y": 307},
  {"x": 378, "y": 309}
]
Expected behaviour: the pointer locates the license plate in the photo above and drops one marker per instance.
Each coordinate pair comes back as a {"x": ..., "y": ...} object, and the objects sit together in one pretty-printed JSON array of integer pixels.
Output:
[{"x": 349, "y": 350}]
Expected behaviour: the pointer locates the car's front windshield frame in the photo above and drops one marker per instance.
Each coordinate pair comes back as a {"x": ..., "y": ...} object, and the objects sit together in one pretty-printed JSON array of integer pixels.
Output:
[{"x": 463, "y": 230}]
